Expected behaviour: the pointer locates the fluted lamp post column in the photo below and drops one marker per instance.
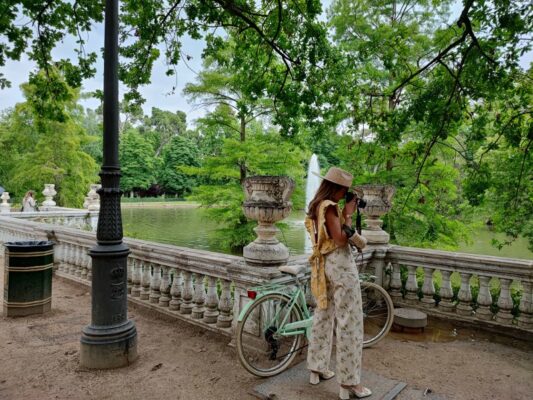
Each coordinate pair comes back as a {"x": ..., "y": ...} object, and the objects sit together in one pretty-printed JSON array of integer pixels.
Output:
[{"x": 110, "y": 341}]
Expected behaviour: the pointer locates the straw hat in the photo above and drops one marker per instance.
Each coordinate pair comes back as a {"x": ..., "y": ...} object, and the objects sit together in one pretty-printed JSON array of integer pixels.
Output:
[{"x": 338, "y": 176}]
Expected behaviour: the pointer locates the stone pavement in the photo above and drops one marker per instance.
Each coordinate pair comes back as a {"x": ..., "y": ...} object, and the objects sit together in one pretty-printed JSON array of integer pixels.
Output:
[{"x": 293, "y": 384}]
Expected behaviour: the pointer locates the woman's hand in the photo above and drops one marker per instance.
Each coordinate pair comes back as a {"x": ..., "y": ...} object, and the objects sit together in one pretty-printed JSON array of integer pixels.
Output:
[{"x": 349, "y": 207}]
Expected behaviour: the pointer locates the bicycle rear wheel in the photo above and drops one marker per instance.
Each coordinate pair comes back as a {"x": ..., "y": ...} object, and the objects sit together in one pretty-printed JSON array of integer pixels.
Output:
[
  {"x": 378, "y": 313},
  {"x": 261, "y": 350}
]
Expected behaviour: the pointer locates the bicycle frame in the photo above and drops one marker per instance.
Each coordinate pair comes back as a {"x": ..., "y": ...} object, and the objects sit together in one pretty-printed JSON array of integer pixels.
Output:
[{"x": 296, "y": 299}]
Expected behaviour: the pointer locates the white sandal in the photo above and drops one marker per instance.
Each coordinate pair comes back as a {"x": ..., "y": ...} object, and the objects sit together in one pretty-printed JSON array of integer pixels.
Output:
[
  {"x": 316, "y": 377},
  {"x": 345, "y": 393}
]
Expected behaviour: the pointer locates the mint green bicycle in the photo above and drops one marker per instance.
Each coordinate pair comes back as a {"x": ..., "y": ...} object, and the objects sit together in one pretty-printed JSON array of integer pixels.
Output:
[{"x": 274, "y": 326}]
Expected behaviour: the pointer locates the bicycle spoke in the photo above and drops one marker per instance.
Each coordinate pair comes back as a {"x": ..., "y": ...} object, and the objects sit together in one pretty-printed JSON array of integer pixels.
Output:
[{"x": 263, "y": 349}]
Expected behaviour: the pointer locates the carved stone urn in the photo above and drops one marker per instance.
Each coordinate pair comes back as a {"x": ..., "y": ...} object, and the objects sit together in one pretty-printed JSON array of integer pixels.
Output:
[
  {"x": 49, "y": 192},
  {"x": 267, "y": 202},
  {"x": 93, "y": 198},
  {"x": 378, "y": 202},
  {"x": 5, "y": 207}
]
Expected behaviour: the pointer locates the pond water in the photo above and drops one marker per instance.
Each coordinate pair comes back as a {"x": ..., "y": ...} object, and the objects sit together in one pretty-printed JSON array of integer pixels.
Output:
[{"x": 189, "y": 227}]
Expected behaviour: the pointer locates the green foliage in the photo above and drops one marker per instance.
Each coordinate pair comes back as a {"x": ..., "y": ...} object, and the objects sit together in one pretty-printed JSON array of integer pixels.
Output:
[
  {"x": 179, "y": 152},
  {"x": 162, "y": 126},
  {"x": 263, "y": 153},
  {"x": 442, "y": 111},
  {"x": 137, "y": 161},
  {"x": 46, "y": 144}
]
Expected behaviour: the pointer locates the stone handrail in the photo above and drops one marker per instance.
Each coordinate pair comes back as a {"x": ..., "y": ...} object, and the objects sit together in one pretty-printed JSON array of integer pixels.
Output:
[
  {"x": 208, "y": 289},
  {"x": 72, "y": 217},
  {"x": 204, "y": 288},
  {"x": 484, "y": 308}
]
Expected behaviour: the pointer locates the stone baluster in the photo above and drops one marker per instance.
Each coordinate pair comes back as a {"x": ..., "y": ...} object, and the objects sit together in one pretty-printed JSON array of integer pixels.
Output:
[
  {"x": 79, "y": 260},
  {"x": 65, "y": 263},
  {"x": 396, "y": 284},
  {"x": 175, "y": 291},
  {"x": 199, "y": 296},
  {"x": 211, "y": 301},
  {"x": 484, "y": 299},
  {"x": 155, "y": 294},
  {"x": 84, "y": 262},
  {"x": 70, "y": 259},
  {"x": 505, "y": 302},
  {"x": 164, "y": 289},
  {"x": 464, "y": 307},
  {"x": 186, "y": 304},
  {"x": 130, "y": 273},
  {"x": 446, "y": 292},
  {"x": 57, "y": 256},
  {"x": 224, "y": 305},
  {"x": 89, "y": 269},
  {"x": 145, "y": 282},
  {"x": 63, "y": 266},
  {"x": 309, "y": 298},
  {"x": 136, "y": 278},
  {"x": 428, "y": 288},
  {"x": 411, "y": 286},
  {"x": 525, "y": 319},
  {"x": 74, "y": 264}
]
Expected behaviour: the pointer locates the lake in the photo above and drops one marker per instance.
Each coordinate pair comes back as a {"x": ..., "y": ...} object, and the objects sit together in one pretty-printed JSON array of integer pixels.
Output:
[{"x": 188, "y": 227}]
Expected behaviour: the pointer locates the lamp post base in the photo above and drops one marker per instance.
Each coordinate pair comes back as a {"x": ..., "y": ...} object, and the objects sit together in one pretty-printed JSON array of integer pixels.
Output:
[{"x": 108, "y": 347}]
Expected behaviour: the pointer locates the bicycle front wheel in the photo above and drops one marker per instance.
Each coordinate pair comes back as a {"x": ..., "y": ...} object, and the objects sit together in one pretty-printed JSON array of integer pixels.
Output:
[
  {"x": 262, "y": 350},
  {"x": 378, "y": 313}
]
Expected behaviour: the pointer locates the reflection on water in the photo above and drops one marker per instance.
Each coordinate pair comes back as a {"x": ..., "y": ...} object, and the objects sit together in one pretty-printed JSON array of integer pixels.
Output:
[{"x": 188, "y": 227}]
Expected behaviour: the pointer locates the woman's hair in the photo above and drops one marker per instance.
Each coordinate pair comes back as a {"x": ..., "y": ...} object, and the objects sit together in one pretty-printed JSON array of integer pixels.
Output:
[
  {"x": 326, "y": 191},
  {"x": 28, "y": 193}
]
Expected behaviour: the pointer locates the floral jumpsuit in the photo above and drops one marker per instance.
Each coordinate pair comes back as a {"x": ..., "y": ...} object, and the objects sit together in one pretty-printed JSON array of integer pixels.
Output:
[{"x": 344, "y": 308}]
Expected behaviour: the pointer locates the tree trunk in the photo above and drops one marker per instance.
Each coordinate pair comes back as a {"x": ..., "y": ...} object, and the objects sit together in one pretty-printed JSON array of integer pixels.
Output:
[{"x": 242, "y": 165}]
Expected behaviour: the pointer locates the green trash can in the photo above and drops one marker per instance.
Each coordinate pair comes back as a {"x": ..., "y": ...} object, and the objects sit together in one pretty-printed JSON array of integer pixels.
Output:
[{"x": 28, "y": 277}]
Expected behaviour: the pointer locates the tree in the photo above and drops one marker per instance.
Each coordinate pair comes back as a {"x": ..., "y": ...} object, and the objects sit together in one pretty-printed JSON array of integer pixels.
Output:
[
  {"x": 162, "y": 126},
  {"x": 179, "y": 152},
  {"x": 221, "y": 83},
  {"x": 286, "y": 31},
  {"x": 46, "y": 146},
  {"x": 420, "y": 106},
  {"x": 264, "y": 152},
  {"x": 137, "y": 161}
]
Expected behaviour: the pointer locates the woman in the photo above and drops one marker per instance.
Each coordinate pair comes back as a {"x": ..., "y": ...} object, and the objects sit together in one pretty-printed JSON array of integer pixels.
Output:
[
  {"x": 335, "y": 286},
  {"x": 28, "y": 202}
]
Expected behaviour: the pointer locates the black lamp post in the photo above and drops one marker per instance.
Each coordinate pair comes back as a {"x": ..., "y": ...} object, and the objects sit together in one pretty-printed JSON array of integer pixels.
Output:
[{"x": 110, "y": 340}]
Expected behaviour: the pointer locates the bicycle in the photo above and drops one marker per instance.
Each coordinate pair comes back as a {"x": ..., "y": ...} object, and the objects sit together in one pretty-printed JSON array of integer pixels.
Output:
[{"x": 273, "y": 325}]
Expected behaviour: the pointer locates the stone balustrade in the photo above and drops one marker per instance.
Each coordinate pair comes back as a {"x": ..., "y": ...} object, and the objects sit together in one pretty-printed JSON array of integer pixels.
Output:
[
  {"x": 208, "y": 289},
  {"x": 204, "y": 288},
  {"x": 72, "y": 217},
  {"x": 474, "y": 297}
]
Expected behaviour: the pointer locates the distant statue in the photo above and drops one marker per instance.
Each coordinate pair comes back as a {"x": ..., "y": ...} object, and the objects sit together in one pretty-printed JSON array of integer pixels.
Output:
[{"x": 28, "y": 202}]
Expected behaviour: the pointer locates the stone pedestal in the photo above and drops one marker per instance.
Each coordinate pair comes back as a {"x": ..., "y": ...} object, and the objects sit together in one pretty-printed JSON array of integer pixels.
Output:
[
  {"x": 5, "y": 207},
  {"x": 378, "y": 202},
  {"x": 49, "y": 192},
  {"x": 377, "y": 264},
  {"x": 93, "y": 198},
  {"x": 267, "y": 201},
  {"x": 409, "y": 320}
]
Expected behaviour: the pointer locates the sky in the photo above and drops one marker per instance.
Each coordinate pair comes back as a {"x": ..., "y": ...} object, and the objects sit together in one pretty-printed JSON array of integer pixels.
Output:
[{"x": 156, "y": 93}]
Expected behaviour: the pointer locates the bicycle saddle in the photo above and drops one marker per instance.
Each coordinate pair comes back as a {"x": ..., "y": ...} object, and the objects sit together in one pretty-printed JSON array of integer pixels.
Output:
[{"x": 292, "y": 269}]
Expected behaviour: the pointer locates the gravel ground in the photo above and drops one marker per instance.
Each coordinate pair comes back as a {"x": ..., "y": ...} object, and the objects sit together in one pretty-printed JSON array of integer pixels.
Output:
[{"x": 40, "y": 360}]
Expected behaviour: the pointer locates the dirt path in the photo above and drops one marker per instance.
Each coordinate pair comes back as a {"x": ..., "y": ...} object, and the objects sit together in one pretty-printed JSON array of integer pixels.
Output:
[{"x": 39, "y": 359}]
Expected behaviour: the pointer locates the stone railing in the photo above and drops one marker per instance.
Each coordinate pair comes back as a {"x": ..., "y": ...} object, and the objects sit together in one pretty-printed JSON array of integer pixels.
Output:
[
  {"x": 485, "y": 274},
  {"x": 203, "y": 288},
  {"x": 71, "y": 217},
  {"x": 208, "y": 289}
]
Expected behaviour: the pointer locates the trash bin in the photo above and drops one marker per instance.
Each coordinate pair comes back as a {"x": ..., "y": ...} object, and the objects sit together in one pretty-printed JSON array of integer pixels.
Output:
[{"x": 28, "y": 277}]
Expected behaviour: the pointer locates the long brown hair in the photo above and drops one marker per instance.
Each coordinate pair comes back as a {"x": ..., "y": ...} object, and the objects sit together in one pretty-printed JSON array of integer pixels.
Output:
[{"x": 325, "y": 191}]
